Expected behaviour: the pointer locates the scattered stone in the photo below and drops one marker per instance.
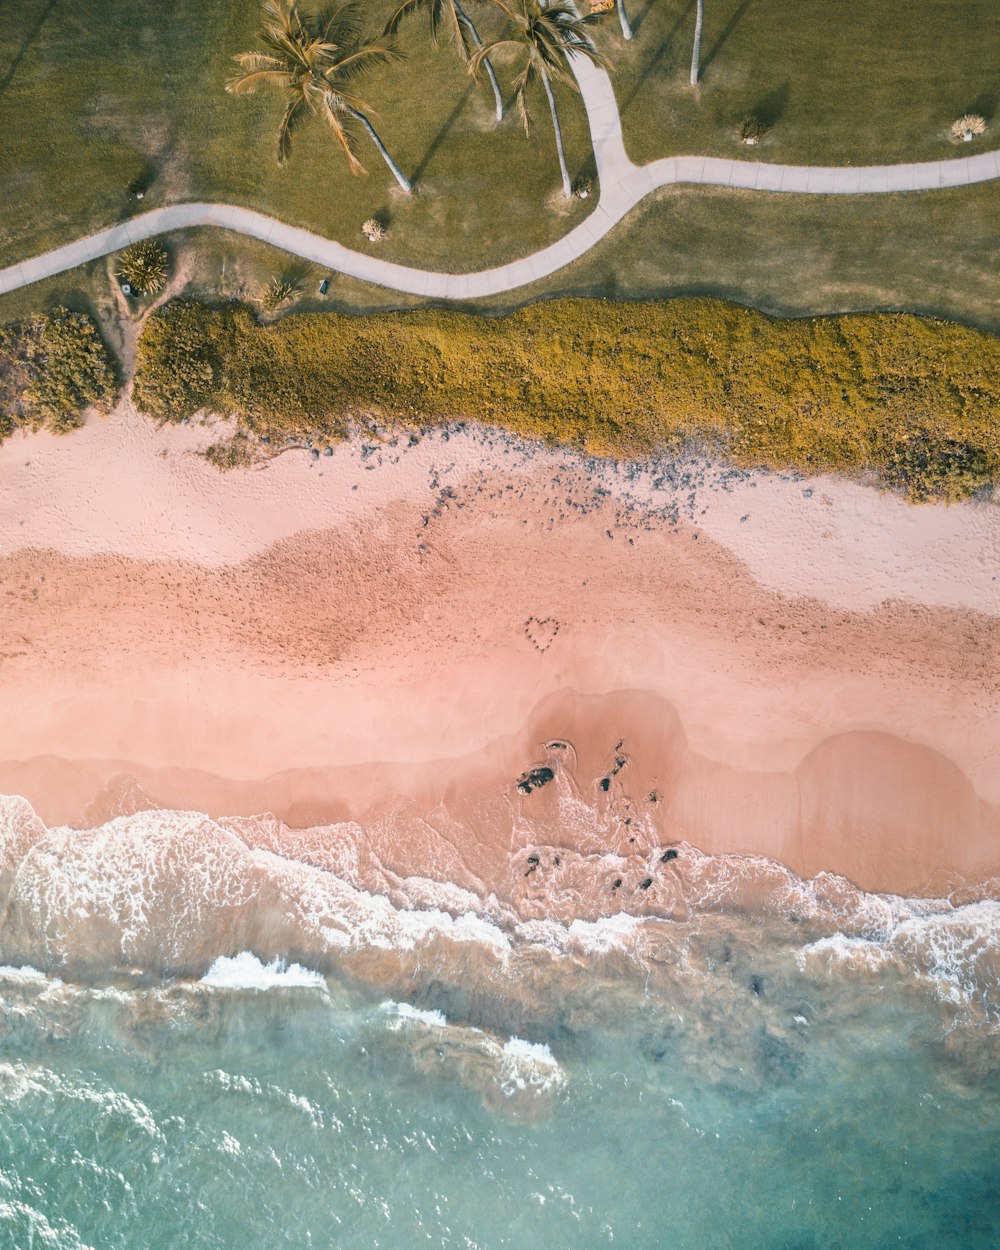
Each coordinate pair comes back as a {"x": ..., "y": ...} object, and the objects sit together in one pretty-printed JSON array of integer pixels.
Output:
[
  {"x": 616, "y": 884},
  {"x": 756, "y": 985},
  {"x": 645, "y": 883}
]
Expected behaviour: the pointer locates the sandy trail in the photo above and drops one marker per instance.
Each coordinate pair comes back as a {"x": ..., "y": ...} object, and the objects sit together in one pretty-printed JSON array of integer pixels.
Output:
[{"x": 805, "y": 670}]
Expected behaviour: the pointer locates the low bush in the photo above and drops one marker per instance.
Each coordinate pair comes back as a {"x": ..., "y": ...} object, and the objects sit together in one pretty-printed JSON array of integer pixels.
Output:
[
  {"x": 911, "y": 399},
  {"x": 52, "y": 368}
]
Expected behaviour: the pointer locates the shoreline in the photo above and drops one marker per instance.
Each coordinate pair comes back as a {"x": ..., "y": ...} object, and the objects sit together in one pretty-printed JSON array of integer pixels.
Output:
[{"x": 402, "y": 626}]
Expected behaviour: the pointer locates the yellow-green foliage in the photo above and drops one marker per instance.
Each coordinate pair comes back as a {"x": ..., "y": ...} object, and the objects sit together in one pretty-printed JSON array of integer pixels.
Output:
[
  {"x": 913, "y": 399},
  {"x": 52, "y": 368}
]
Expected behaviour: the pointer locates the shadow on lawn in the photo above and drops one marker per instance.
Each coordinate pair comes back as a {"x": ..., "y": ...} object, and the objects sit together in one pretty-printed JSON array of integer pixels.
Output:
[
  {"x": 727, "y": 30},
  {"x": 442, "y": 134},
  {"x": 26, "y": 43},
  {"x": 651, "y": 63}
]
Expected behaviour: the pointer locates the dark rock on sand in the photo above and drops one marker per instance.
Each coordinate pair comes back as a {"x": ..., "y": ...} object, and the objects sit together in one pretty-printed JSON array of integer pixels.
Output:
[{"x": 534, "y": 779}]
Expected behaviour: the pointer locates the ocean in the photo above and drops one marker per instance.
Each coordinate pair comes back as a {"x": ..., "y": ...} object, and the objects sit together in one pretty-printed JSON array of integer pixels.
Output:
[{"x": 206, "y": 1043}]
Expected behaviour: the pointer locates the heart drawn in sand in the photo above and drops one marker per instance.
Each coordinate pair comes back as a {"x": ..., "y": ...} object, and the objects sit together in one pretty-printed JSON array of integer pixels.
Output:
[{"x": 541, "y": 632}]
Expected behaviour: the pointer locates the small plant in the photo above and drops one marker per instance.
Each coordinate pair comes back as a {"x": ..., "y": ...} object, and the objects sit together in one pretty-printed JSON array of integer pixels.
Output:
[
  {"x": 966, "y": 128},
  {"x": 373, "y": 230},
  {"x": 277, "y": 292},
  {"x": 751, "y": 130},
  {"x": 582, "y": 188},
  {"x": 143, "y": 267}
]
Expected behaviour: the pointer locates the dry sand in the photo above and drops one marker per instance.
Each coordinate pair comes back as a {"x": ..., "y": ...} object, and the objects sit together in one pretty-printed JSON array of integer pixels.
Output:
[{"x": 807, "y": 670}]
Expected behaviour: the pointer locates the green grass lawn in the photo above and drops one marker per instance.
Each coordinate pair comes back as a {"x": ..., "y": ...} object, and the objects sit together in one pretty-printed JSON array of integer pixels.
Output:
[
  {"x": 933, "y": 252},
  {"x": 112, "y": 90},
  {"x": 102, "y": 92},
  {"x": 848, "y": 82}
]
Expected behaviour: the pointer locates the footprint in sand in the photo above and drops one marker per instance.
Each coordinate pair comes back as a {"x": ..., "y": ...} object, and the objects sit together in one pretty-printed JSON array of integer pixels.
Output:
[{"x": 541, "y": 632}]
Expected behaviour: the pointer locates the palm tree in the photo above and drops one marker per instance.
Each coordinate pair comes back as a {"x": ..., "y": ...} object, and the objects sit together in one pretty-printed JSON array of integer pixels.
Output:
[
  {"x": 313, "y": 63},
  {"x": 462, "y": 28},
  {"x": 696, "y": 50},
  {"x": 546, "y": 34}
]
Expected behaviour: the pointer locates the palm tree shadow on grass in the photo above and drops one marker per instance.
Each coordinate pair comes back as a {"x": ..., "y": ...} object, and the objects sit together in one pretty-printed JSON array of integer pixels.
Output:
[
  {"x": 443, "y": 132},
  {"x": 651, "y": 64},
  {"x": 727, "y": 30},
  {"x": 26, "y": 43}
]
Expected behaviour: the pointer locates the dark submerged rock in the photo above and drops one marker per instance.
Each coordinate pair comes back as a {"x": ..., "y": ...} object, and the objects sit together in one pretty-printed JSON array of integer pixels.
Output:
[{"x": 534, "y": 779}]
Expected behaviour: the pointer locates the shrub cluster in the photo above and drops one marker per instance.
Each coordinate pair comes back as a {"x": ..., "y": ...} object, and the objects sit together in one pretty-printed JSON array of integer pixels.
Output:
[
  {"x": 911, "y": 399},
  {"x": 51, "y": 369}
]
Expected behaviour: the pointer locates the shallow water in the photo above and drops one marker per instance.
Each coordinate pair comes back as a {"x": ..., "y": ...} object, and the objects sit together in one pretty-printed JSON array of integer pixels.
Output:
[{"x": 770, "y": 1063}]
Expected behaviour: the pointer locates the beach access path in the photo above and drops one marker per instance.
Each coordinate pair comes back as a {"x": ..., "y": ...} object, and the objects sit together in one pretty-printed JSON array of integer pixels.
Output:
[{"x": 623, "y": 184}]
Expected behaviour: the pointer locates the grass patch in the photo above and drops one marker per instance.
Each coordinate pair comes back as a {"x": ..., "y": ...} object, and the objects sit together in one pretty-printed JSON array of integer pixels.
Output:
[
  {"x": 846, "y": 83},
  {"x": 936, "y": 253},
  {"x": 910, "y": 399},
  {"x": 118, "y": 94}
]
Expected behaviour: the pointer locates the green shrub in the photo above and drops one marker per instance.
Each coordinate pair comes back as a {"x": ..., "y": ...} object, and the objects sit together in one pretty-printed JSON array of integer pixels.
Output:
[
  {"x": 143, "y": 266},
  {"x": 52, "y": 368},
  {"x": 910, "y": 398}
]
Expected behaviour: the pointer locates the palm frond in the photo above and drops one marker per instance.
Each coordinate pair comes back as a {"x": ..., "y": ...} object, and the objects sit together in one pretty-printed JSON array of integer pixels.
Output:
[
  {"x": 343, "y": 137},
  {"x": 294, "y": 112},
  {"x": 405, "y": 10},
  {"x": 358, "y": 62}
]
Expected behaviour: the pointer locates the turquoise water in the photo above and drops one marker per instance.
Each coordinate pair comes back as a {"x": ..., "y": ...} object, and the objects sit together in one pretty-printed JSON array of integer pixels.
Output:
[{"x": 749, "y": 1074}]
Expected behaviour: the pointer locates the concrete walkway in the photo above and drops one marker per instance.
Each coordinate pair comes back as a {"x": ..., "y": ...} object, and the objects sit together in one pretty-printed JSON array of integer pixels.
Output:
[{"x": 622, "y": 186}]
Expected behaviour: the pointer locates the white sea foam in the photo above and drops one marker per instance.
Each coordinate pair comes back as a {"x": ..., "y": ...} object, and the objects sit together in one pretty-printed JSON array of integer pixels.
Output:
[
  {"x": 954, "y": 950},
  {"x": 528, "y": 1066},
  {"x": 246, "y": 972},
  {"x": 611, "y": 933},
  {"x": 26, "y": 975},
  {"x": 401, "y": 1012}
]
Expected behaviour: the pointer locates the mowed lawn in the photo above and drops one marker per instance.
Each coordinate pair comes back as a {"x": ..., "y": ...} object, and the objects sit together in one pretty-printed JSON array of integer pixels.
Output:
[
  {"x": 101, "y": 92},
  {"x": 838, "y": 81}
]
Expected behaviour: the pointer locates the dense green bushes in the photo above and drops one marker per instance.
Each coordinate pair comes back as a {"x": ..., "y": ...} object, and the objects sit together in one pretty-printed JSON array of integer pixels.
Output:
[
  {"x": 51, "y": 369},
  {"x": 915, "y": 400}
]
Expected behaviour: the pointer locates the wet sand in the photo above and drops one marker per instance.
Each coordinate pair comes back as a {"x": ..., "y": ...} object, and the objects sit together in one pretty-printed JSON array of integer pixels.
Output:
[{"x": 803, "y": 670}]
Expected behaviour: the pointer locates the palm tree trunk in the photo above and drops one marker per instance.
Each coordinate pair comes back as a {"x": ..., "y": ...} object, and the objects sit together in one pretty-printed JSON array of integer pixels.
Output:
[
  {"x": 696, "y": 51},
  {"x": 623, "y": 18},
  {"x": 397, "y": 173},
  {"x": 567, "y": 189},
  {"x": 467, "y": 22}
]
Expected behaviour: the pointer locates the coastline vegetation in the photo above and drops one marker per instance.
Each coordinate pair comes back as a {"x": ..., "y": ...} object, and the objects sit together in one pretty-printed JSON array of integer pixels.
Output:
[
  {"x": 52, "y": 368},
  {"x": 911, "y": 400}
]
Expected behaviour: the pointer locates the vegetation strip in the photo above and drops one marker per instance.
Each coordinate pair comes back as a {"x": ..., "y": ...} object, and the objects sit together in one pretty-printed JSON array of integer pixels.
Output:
[
  {"x": 910, "y": 399},
  {"x": 52, "y": 368}
]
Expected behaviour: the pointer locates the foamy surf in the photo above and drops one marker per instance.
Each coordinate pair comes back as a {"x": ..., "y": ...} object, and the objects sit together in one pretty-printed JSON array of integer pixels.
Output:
[
  {"x": 246, "y": 972},
  {"x": 176, "y": 893}
]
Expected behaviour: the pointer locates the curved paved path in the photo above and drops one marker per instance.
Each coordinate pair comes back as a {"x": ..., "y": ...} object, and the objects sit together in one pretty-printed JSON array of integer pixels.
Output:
[{"x": 622, "y": 186}]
